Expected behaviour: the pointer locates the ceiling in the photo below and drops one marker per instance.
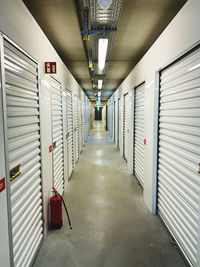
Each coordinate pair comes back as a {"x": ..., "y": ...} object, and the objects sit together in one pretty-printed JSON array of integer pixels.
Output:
[{"x": 139, "y": 25}]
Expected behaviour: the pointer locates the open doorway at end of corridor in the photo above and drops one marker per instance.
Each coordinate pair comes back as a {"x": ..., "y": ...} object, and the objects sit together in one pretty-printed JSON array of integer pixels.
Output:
[{"x": 98, "y": 113}]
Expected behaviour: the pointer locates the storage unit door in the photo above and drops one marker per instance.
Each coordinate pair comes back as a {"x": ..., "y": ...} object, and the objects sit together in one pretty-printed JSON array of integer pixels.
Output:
[
  {"x": 114, "y": 120},
  {"x": 179, "y": 151},
  {"x": 139, "y": 134},
  {"x": 125, "y": 128},
  {"x": 116, "y": 117},
  {"x": 70, "y": 133},
  {"x": 87, "y": 118},
  {"x": 24, "y": 155},
  {"x": 120, "y": 125},
  {"x": 83, "y": 123},
  {"x": 76, "y": 128},
  {"x": 80, "y": 124},
  {"x": 118, "y": 103},
  {"x": 57, "y": 135}
]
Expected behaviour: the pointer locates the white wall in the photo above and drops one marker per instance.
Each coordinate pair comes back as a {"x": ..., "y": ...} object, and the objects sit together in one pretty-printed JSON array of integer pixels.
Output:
[
  {"x": 18, "y": 24},
  {"x": 181, "y": 35}
]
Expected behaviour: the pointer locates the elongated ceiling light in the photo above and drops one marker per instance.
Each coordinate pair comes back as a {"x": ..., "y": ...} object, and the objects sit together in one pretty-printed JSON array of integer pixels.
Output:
[
  {"x": 103, "y": 45},
  {"x": 99, "y": 93},
  {"x": 100, "y": 83}
]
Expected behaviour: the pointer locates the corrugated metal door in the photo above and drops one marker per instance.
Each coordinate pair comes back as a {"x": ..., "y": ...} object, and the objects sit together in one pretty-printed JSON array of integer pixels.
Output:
[
  {"x": 80, "y": 124},
  {"x": 87, "y": 118},
  {"x": 83, "y": 122},
  {"x": 57, "y": 135},
  {"x": 139, "y": 133},
  {"x": 179, "y": 151},
  {"x": 118, "y": 104},
  {"x": 24, "y": 155},
  {"x": 70, "y": 133},
  {"x": 76, "y": 128},
  {"x": 125, "y": 128},
  {"x": 120, "y": 125},
  {"x": 114, "y": 121},
  {"x": 108, "y": 117}
]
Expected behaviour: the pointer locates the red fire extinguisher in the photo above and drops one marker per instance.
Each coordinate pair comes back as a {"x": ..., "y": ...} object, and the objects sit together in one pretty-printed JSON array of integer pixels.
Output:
[{"x": 56, "y": 210}]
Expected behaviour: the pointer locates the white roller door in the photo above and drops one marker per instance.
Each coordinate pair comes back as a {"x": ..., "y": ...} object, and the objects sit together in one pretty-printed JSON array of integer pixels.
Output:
[
  {"x": 139, "y": 133},
  {"x": 87, "y": 123},
  {"x": 57, "y": 135},
  {"x": 86, "y": 119},
  {"x": 125, "y": 128},
  {"x": 114, "y": 121},
  {"x": 179, "y": 151},
  {"x": 24, "y": 155},
  {"x": 83, "y": 121},
  {"x": 70, "y": 133},
  {"x": 118, "y": 108},
  {"x": 80, "y": 124},
  {"x": 76, "y": 128},
  {"x": 120, "y": 125}
]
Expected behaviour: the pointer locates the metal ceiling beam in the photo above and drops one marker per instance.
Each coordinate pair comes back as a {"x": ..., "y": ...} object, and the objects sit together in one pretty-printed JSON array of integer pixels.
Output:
[
  {"x": 87, "y": 32},
  {"x": 85, "y": 48}
]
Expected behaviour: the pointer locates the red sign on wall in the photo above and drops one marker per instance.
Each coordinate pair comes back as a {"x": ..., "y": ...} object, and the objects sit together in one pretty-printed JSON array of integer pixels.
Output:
[
  {"x": 145, "y": 141},
  {"x": 50, "y": 149},
  {"x": 2, "y": 184},
  {"x": 50, "y": 67}
]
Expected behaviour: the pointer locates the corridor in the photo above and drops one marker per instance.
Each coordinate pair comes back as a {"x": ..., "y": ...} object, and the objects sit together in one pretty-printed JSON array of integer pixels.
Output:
[{"x": 111, "y": 225}]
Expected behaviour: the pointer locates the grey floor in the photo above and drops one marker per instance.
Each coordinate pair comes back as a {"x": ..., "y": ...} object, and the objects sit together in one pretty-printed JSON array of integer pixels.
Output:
[{"x": 111, "y": 224}]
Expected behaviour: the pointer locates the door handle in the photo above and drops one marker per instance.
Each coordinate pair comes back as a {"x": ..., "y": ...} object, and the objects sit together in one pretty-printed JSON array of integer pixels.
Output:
[{"x": 199, "y": 168}]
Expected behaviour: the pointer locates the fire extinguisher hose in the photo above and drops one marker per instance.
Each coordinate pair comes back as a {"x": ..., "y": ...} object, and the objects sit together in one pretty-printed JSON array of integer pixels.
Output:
[{"x": 66, "y": 211}]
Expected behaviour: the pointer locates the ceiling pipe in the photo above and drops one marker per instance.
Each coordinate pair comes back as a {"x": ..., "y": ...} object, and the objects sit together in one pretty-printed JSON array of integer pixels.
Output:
[{"x": 84, "y": 45}]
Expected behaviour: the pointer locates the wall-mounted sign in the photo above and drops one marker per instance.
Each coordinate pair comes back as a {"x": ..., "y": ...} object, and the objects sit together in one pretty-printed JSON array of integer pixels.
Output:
[
  {"x": 50, "y": 148},
  {"x": 2, "y": 184},
  {"x": 50, "y": 67}
]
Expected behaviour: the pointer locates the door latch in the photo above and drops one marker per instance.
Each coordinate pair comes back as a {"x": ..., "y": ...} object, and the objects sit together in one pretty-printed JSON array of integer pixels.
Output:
[
  {"x": 199, "y": 168},
  {"x": 15, "y": 172}
]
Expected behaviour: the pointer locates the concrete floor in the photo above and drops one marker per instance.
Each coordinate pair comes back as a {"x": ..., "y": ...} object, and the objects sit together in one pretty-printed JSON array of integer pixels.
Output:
[{"x": 111, "y": 225}]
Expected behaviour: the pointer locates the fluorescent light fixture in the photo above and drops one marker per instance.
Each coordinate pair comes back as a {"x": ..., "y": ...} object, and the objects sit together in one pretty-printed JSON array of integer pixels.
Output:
[
  {"x": 100, "y": 83},
  {"x": 99, "y": 93},
  {"x": 103, "y": 45}
]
